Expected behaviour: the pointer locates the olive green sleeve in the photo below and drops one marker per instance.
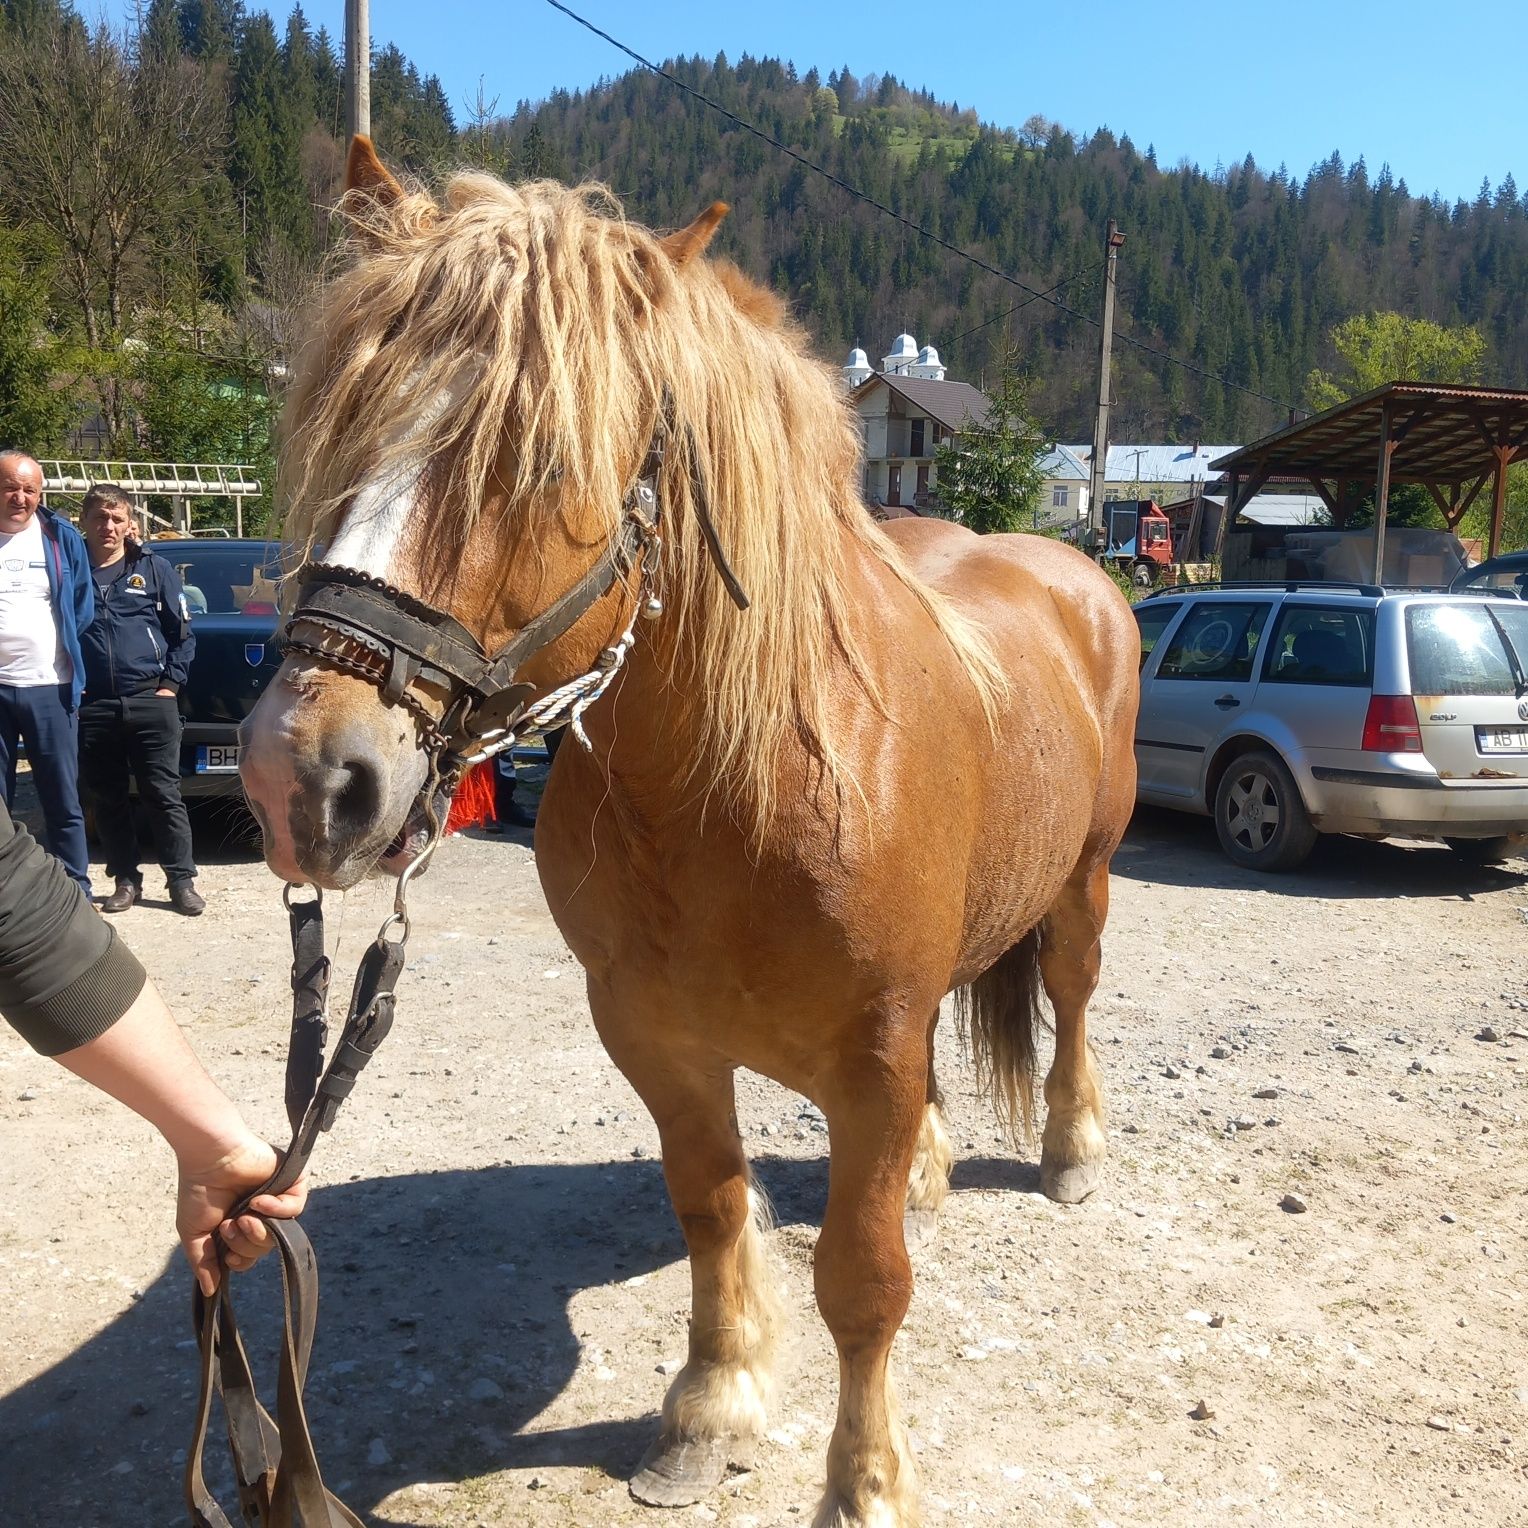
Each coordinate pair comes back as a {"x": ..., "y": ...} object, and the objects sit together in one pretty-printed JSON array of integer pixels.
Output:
[{"x": 65, "y": 976}]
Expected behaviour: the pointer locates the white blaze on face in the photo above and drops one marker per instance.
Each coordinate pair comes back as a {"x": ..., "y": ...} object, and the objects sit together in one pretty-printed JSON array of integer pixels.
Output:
[{"x": 384, "y": 504}]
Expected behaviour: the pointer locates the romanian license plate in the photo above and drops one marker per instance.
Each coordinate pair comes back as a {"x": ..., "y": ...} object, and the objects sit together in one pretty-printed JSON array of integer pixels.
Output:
[
  {"x": 1502, "y": 739},
  {"x": 217, "y": 759}
]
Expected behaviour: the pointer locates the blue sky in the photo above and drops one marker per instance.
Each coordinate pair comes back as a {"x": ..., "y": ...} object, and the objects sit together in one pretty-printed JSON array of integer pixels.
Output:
[{"x": 1427, "y": 87}]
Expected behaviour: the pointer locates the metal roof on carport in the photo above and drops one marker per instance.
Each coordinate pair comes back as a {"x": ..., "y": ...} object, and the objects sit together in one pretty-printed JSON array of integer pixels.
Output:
[{"x": 1452, "y": 439}]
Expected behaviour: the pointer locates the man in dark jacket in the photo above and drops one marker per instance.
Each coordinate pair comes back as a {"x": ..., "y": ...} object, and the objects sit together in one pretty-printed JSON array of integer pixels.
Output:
[
  {"x": 46, "y": 600},
  {"x": 138, "y": 653}
]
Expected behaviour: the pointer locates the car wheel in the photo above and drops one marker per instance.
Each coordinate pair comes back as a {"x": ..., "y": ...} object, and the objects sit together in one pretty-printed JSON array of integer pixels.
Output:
[
  {"x": 1143, "y": 575},
  {"x": 1259, "y": 816},
  {"x": 1481, "y": 851}
]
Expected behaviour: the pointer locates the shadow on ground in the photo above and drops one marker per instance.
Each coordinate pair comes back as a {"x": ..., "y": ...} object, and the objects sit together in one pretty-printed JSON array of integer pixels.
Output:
[
  {"x": 444, "y": 1331},
  {"x": 1175, "y": 849}
]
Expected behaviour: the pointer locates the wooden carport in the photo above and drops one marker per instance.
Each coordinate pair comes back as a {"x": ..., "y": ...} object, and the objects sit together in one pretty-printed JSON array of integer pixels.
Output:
[{"x": 1453, "y": 440}]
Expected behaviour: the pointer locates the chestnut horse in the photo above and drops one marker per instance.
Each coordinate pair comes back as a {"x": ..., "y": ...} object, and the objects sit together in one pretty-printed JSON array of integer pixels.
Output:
[{"x": 900, "y": 772}]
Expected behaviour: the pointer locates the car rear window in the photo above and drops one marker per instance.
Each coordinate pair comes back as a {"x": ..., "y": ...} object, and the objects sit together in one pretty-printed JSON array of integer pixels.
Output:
[
  {"x": 1459, "y": 649},
  {"x": 1321, "y": 645},
  {"x": 227, "y": 580}
]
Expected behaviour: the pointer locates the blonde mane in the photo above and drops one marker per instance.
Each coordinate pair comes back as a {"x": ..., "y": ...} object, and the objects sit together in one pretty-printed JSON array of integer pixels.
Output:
[{"x": 575, "y": 321}]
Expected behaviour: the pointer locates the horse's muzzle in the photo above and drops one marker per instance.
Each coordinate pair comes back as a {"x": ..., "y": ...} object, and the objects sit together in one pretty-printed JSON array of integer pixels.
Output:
[{"x": 334, "y": 781}]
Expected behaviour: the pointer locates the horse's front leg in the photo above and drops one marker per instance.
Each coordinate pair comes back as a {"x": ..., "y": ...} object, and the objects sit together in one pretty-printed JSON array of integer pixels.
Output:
[
  {"x": 718, "y": 1402},
  {"x": 875, "y": 1104}
]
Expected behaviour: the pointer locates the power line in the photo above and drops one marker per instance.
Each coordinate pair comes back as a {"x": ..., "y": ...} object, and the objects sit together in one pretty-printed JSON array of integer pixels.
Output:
[
  {"x": 1087, "y": 270},
  {"x": 1035, "y": 295}
]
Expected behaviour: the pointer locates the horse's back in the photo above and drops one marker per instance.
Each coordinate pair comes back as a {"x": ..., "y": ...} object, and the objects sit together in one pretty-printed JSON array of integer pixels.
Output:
[
  {"x": 1059, "y": 774},
  {"x": 991, "y": 579}
]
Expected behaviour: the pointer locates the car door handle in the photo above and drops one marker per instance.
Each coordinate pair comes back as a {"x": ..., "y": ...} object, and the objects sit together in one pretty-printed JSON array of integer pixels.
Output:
[{"x": 1225, "y": 702}]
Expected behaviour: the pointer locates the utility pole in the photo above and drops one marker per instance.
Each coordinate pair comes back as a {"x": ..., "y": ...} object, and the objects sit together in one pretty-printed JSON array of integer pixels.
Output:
[
  {"x": 1113, "y": 244},
  {"x": 358, "y": 67}
]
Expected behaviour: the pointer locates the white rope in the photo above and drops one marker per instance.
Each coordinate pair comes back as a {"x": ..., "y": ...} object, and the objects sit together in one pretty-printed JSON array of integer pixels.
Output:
[{"x": 564, "y": 706}]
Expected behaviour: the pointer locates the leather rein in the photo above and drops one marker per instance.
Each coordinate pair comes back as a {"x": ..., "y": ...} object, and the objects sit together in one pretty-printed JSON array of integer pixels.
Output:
[{"x": 397, "y": 643}]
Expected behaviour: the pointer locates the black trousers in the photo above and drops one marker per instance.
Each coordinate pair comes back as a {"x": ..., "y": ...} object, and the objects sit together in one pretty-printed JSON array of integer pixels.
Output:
[{"x": 141, "y": 734}]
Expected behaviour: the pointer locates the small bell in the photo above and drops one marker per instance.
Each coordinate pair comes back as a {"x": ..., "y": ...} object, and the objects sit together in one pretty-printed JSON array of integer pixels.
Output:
[{"x": 652, "y": 607}]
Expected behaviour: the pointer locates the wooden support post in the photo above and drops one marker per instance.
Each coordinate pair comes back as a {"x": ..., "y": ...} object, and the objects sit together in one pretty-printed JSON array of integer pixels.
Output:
[
  {"x": 1228, "y": 514},
  {"x": 1382, "y": 493},
  {"x": 1326, "y": 497},
  {"x": 1195, "y": 528},
  {"x": 1498, "y": 498}
]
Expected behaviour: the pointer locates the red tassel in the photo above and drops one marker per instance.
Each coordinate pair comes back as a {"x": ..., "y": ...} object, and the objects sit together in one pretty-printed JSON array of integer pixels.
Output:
[{"x": 472, "y": 806}]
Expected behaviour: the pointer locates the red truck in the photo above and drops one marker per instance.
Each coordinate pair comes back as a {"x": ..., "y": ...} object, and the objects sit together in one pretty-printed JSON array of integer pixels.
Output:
[{"x": 1138, "y": 540}]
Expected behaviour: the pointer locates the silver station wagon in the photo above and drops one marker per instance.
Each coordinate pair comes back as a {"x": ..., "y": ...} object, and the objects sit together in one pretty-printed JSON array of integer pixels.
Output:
[{"x": 1289, "y": 710}]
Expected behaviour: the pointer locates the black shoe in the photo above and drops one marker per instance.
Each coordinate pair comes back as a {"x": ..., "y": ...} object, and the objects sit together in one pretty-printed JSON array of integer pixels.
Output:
[
  {"x": 123, "y": 897},
  {"x": 184, "y": 898}
]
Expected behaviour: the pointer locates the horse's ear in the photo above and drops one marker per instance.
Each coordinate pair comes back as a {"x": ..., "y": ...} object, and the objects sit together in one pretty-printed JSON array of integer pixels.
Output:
[
  {"x": 682, "y": 247},
  {"x": 366, "y": 174}
]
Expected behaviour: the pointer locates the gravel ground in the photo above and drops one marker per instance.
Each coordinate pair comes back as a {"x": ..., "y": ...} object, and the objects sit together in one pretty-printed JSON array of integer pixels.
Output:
[{"x": 503, "y": 1283}]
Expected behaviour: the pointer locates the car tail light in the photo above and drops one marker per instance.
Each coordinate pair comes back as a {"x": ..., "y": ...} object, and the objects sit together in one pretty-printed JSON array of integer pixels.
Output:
[
  {"x": 1391, "y": 725},
  {"x": 257, "y": 607}
]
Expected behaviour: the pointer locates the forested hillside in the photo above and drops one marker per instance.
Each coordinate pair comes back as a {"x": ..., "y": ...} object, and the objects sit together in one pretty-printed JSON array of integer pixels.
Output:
[
  {"x": 1242, "y": 272},
  {"x": 188, "y": 256}
]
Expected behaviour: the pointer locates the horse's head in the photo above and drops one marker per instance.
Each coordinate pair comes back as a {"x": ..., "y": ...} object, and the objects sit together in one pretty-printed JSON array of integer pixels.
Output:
[{"x": 467, "y": 425}]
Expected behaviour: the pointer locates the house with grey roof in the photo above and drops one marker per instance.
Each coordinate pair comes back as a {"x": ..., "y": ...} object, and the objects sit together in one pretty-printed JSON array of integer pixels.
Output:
[
  {"x": 1064, "y": 497},
  {"x": 907, "y": 410}
]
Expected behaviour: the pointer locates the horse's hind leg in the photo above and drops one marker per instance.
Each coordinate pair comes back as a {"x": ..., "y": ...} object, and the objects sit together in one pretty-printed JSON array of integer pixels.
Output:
[
  {"x": 929, "y": 1180},
  {"x": 1074, "y": 1145},
  {"x": 874, "y": 1105},
  {"x": 718, "y": 1401}
]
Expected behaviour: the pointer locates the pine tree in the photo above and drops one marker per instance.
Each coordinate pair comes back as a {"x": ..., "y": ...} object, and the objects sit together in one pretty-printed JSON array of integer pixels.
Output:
[
  {"x": 989, "y": 478},
  {"x": 266, "y": 139}
]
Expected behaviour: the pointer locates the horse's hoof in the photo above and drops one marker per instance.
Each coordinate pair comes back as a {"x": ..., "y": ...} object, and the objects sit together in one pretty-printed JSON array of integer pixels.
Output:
[
  {"x": 920, "y": 1227},
  {"x": 1070, "y": 1184},
  {"x": 677, "y": 1472}
]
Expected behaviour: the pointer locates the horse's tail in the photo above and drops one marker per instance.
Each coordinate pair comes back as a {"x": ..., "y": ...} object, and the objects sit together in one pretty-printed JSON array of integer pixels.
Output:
[{"x": 1000, "y": 1014}]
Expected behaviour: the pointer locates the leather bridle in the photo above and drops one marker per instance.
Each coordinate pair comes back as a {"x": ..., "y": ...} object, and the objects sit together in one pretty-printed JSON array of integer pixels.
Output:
[
  {"x": 413, "y": 652},
  {"x": 409, "y": 649}
]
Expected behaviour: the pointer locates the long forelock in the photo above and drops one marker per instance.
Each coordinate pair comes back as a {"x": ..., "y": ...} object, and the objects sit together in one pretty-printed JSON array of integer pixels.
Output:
[{"x": 573, "y": 322}]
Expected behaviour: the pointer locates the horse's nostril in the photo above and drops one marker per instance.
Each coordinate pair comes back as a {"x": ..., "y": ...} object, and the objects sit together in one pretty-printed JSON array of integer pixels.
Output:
[{"x": 355, "y": 797}]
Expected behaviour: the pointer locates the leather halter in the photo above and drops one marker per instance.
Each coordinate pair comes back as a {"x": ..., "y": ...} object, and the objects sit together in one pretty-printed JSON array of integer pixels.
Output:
[{"x": 399, "y": 643}]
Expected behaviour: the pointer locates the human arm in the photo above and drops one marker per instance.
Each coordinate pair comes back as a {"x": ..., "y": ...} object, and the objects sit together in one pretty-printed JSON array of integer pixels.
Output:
[
  {"x": 74, "y": 991},
  {"x": 82, "y": 590},
  {"x": 144, "y": 1061},
  {"x": 175, "y": 624}
]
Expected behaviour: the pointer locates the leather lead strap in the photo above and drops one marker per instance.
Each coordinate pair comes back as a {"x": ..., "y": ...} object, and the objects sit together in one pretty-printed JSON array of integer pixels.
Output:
[
  {"x": 275, "y": 1464},
  {"x": 310, "y": 1004}
]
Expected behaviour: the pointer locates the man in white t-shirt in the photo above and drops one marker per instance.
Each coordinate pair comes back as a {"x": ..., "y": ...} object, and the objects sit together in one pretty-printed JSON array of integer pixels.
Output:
[{"x": 46, "y": 600}]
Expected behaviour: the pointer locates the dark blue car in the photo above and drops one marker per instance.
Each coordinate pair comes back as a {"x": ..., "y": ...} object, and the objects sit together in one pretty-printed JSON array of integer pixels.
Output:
[{"x": 231, "y": 594}]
